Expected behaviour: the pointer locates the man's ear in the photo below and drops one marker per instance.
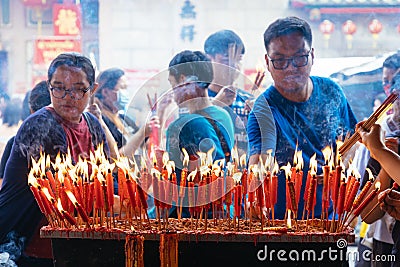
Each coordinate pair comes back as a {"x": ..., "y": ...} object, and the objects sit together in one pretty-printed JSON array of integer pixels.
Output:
[
  {"x": 94, "y": 88},
  {"x": 312, "y": 56},
  {"x": 182, "y": 79},
  {"x": 266, "y": 61}
]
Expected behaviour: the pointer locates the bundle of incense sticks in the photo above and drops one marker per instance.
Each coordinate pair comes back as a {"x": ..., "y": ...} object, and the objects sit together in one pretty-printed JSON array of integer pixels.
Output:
[{"x": 369, "y": 122}]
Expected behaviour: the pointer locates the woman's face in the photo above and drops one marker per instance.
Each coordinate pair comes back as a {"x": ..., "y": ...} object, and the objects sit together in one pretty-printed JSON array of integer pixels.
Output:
[
  {"x": 70, "y": 79},
  {"x": 110, "y": 95}
]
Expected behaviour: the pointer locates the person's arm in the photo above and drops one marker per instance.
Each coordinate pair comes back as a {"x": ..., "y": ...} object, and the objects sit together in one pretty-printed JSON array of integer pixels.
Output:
[
  {"x": 138, "y": 138},
  {"x": 95, "y": 110},
  {"x": 374, "y": 140}
]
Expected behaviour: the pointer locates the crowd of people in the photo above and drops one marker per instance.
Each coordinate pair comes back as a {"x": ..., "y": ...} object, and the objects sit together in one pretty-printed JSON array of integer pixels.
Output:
[{"x": 74, "y": 111}]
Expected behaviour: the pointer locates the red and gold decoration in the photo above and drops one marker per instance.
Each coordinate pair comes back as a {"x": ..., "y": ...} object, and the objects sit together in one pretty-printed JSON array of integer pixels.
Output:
[
  {"x": 327, "y": 27},
  {"x": 38, "y": 3},
  {"x": 67, "y": 19},
  {"x": 349, "y": 28},
  {"x": 375, "y": 27},
  {"x": 46, "y": 49}
]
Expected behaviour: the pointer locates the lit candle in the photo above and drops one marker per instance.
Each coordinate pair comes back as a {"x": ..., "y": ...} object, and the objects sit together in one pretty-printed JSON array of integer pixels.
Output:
[
  {"x": 362, "y": 194},
  {"x": 367, "y": 200},
  {"x": 267, "y": 189},
  {"x": 341, "y": 198},
  {"x": 352, "y": 195},
  {"x": 110, "y": 189},
  {"x": 238, "y": 200},
  {"x": 142, "y": 197},
  {"x": 325, "y": 189}
]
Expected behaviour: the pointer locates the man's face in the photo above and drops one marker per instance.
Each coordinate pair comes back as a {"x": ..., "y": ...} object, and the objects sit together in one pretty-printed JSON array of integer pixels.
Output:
[
  {"x": 71, "y": 79},
  {"x": 387, "y": 77},
  {"x": 290, "y": 50},
  {"x": 228, "y": 65},
  {"x": 183, "y": 91}
]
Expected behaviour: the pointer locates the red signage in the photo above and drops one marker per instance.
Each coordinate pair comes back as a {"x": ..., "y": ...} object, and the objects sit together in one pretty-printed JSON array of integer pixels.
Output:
[
  {"x": 38, "y": 3},
  {"x": 67, "y": 19},
  {"x": 48, "y": 49}
]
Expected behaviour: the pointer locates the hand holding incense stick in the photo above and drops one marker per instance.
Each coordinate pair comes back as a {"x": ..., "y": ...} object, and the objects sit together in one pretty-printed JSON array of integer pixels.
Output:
[
  {"x": 381, "y": 200},
  {"x": 381, "y": 110}
]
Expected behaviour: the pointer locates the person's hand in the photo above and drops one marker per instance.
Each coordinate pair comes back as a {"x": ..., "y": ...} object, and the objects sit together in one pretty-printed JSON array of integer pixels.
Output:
[
  {"x": 225, "y": 96},
  {"x": 95, "y": 110},
  {"x": 390, "y": 202},
  {"x": 374, "y": 139},
  {"x": 154, "y": 122}
]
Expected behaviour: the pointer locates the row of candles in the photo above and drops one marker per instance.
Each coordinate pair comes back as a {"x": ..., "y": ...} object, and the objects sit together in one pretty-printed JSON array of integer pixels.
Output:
[{"x": 82, "y": 194}]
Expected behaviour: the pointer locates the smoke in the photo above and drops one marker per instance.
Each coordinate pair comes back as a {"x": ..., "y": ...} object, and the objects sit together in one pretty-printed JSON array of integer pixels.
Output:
[{"x": 11, "y": 250}]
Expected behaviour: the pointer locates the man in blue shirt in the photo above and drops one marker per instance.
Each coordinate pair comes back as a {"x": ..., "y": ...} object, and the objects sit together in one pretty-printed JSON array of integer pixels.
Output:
[
  {"x": 308, "y": 112},
  {"x": 205, "y": 126},
  {"x": 225, "y": 49}
]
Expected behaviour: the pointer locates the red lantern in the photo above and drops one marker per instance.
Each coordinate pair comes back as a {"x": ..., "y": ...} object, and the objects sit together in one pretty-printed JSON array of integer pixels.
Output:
[
  {"x": 349, "y": 27},
  {"x": 375, "y": 27},
  {"x": 326, "y": 27}
]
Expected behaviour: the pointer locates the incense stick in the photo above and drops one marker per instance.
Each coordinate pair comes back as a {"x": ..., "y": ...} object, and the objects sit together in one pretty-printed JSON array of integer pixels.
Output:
[{"x": 369, "y": 122}]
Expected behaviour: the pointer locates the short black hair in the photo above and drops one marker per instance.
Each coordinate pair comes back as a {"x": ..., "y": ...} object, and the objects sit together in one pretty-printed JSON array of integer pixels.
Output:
[
  {"x": 392, "y": 61},
  {"x": 192, "y": 63},
  {"x": 108, "y": 79},
  {"x": 285, "y": 26},
  {"x": 219, "y": 42},
  {"x": 39, "y": 96},
  {"x": 73, "y": 59}
]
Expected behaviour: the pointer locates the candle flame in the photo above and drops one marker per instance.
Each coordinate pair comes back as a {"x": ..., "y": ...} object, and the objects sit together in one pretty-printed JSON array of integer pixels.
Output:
[
  {"x": 299, "y": 160},
  {"x": 185, "y": 157},
  {"x": 209, "y": 158},
  {"x": 287, "y": 170},
  {"x": 327, "y": 152},
  {"x": 338, "y": 145},
  {"x": 71, "y": 196},
  {"x": 59, "y": 205},
  {"x": 378, "y": 185},
  {"x": 165, "y": 158},
  {"x": 289, "y": 219},
  {"x": 32, "y": 180},
  {"x": 47, "y": 194},
  {"x": 242, "y": 161},
  {"x": 204, "y": 170},
  {"x": 155, "y": 172},
  {"x": 203, "y": 158},
  {"x": 313, "y": 165},
  {"x": 235, "y": 155},
  {"x": 237, "y": 178},
  {"x": 191, "y": 175},
  {"x": 230, "y": 167},
  {"x": 269, "y": 161},
  {"x": 370, "y": 175},
  {"x": 275, "y": 170}
]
